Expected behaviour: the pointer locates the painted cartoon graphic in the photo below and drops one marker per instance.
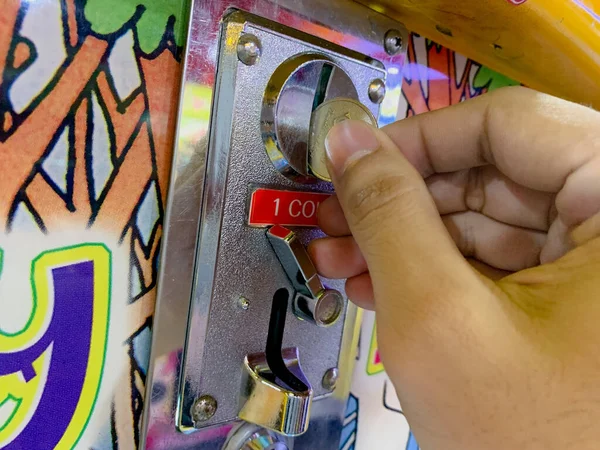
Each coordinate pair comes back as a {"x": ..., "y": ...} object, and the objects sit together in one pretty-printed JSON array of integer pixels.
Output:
[
  {"x": 348, "y": 438},
  {"x": 88, "y": 93},
  {"x": 70, "y": 304},
  {"x": 436, "y": 77},
  {"x": 374, "y": 364}
]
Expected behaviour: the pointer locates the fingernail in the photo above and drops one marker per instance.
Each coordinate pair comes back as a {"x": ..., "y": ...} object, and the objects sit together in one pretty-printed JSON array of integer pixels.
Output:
[{"x": 349, "y": 141}]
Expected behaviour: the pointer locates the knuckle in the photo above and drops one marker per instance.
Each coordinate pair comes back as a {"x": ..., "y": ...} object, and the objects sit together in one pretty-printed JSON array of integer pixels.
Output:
[
  {"x": 507, "y": 94},
  {"x": 389, "y": 194},
  {"x": 474, "y": 194}
]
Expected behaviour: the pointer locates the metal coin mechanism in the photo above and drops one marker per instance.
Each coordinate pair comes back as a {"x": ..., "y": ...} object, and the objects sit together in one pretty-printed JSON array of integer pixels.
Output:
[{"x": 323, "y": 119}]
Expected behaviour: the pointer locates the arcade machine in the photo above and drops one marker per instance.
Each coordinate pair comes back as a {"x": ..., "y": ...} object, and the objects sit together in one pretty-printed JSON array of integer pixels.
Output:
[{"x": 161, "y": 164}]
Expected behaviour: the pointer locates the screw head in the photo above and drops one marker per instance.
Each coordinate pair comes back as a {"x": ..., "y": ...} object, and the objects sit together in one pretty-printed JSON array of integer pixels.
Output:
[
  {"x": 243, "y": 303},
  {"x": 377, "y": 90},
  {"x": 330, "y": 378},
  {"x": 204, "y": 408},
  {"x": 392, "y": 42},
  {"x": 249, "y": 49}
]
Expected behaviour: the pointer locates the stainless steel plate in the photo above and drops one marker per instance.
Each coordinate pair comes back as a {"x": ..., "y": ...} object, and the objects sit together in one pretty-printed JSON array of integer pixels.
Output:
[{"x": 234, "y": 260}]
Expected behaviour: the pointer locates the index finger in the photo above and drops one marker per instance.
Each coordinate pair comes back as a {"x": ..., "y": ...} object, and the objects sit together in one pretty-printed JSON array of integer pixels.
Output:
[{"x": 534, "y": 139}]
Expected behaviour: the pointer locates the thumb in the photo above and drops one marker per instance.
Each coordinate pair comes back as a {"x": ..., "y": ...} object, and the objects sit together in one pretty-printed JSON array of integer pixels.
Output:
[{"x": 414, "y": 264}]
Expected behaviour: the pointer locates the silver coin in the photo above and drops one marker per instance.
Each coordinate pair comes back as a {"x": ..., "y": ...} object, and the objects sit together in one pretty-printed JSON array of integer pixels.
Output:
[{"x": 323, "y": 119}]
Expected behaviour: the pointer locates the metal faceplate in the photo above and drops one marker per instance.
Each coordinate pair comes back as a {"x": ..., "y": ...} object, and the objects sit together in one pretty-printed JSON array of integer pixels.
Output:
[
  {"x": 211, "y": 258},
  {"x": 234, "y": 260}
]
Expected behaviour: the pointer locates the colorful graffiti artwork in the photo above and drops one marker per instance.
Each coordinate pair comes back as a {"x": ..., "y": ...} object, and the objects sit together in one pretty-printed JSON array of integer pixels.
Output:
[
  {"x": 70, "y": 299},
  {"x": 88, "y": 93}
]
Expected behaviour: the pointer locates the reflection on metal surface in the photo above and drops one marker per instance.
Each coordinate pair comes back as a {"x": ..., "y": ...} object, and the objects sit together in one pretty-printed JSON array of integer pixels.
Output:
[
  {"x": 234, "y": 260},
  {"x": 377, "y": 90},
  {"x": 338, "y": 21},
  {"x": 203, "y": 409},
  {"x": 243, "y": 303},
  {"x": 330, "y": 378},
  {"x": 323, "y": 309},
  {"x": 295, "y": 260},
  {"x": 314, "y": 302},
  {"x": 271, "y": 403},
  {"x": 248, "y": 436}
]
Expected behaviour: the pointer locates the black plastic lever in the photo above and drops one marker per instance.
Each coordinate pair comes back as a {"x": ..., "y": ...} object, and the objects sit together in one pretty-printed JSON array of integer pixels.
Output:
[{"x": 275, "y": 342}]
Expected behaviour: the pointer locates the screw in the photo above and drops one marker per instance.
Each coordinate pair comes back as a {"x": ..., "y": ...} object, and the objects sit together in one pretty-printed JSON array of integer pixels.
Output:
[
  {"x": 392, "y": 42},
  {"x": 243, "y": 303},
  {"x": 204, "y": 408},
  {"x": 377, "y": 90},
  {"x": 330, "y": 379},
  {"x": 249, "y": 49}
]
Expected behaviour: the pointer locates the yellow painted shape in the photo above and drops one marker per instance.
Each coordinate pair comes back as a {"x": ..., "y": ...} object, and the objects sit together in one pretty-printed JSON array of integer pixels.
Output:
[
  {"x": 102, "y": 290},
  {"x": 13, "y": 386},
  {"x": 25, "y": 396},
  {"x": 374, "y": 364}
]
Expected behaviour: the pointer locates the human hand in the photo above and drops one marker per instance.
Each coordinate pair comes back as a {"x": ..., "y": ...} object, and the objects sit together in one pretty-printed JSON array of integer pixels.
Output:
[{"x": 506, "y": 356}]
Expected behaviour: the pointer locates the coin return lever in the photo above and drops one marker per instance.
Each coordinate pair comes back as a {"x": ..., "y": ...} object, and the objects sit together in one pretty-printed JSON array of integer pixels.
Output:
[
  {"x": 312, "y": 301},
  {"x": 275, "y": 392}
]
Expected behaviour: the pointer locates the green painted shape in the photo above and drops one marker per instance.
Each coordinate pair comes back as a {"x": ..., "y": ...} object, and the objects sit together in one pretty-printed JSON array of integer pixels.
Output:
[
  {"x": 109, "y": 16},
  {"x": 487, "y": 78},
  {"x": 18, "y": 402}
]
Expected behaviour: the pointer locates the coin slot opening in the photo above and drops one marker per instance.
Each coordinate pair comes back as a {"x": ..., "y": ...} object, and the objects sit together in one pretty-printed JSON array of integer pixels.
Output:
[
  {"x": 324, "y": 79},
  {"x": 297, "y": 88}
]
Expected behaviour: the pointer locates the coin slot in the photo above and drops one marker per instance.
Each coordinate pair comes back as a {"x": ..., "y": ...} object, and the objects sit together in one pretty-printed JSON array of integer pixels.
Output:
[
  {"x": 297, "y": 88},
  {"x": 322, "y": 86}
]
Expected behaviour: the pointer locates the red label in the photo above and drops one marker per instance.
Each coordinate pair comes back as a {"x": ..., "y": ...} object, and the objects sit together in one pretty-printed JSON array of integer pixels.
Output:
[{"x": 287, "y": 208}]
